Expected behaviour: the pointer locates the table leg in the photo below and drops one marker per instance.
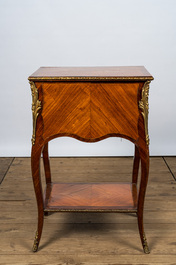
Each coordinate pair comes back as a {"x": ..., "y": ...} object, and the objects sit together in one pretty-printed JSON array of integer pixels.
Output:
[
  {"x": 35, "y": 165},
  {"x": 136, "y": 165},
  {"x": 141, "y": 197},
  {"x": 46, "y": 164}
]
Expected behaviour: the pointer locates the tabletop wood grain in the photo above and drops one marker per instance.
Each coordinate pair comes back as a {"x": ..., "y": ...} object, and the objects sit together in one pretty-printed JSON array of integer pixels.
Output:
[{"x": 91, "y": 73}]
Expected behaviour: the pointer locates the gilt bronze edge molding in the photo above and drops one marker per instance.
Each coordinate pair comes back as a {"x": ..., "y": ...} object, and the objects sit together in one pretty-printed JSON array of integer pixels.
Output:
[
  {"x": 90, "y": 78},
  {"x": 93, "y": 210},
  {"x": 36, "y": 106}
]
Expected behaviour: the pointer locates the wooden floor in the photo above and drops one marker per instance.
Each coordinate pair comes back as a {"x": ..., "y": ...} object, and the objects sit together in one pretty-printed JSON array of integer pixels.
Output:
[{"x": 87, "y": 238}]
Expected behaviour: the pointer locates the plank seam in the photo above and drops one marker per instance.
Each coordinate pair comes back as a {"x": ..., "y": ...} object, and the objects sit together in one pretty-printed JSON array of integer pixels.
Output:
[
  {"x": 7, "y": 170},
  {"x": 174, "y": 177}
]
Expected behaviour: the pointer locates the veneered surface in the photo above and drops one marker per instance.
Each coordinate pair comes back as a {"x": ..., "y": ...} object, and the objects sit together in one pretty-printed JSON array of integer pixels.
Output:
[
  {"x": 90, "y": 110},
  {"x": 91, "y": 196},
  {"x": 93, "y": 73}
]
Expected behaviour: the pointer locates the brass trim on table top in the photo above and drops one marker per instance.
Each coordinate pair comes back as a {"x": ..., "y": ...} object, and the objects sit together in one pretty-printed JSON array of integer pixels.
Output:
[
  {"x": 36, "y": 106},
  {"x": 90, "y": 78},
  {"x": 144, "y": 106}
]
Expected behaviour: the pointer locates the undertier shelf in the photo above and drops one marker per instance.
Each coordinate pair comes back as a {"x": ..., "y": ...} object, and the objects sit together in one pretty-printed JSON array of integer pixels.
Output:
[{"x": 93, "y": 197}]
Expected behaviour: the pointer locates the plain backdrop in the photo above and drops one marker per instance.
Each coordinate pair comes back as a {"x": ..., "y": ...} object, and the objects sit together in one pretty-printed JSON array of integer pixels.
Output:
[{"x": 86, "y": 33}]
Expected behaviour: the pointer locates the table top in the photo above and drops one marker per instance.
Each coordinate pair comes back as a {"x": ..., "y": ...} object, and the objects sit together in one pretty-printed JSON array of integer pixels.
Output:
[{"x": 134, "y": 73}]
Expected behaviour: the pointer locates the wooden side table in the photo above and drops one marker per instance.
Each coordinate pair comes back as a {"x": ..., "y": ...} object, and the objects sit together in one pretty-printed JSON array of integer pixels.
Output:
[{"x": 90, "y": 104}]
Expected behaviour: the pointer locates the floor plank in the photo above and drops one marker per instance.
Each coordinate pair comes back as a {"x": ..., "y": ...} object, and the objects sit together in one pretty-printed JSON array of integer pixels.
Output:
[
  {"x": 86, "y": 259},
  {"x": 5, "y": 163},
  {"x": 171, "y": 163},
  {"x": 87, "y": 238}
]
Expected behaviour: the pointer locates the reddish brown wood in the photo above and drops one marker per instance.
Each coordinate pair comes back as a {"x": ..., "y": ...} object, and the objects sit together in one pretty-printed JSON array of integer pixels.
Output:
[
  {"x": 136, "y": 165},
  {"x": 93, "y": 73},
  {"x": 35, "y": 166},
  {"x": 141, "y": 197},
  {"x": 90, "y": 111},
  {"x": 90, "y": 104},
  {"x": 91, "y": 196},
  {"x": 46, "y": 164}
]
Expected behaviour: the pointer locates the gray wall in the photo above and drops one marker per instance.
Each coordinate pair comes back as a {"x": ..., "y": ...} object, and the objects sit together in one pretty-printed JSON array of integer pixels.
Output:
[{"x": 86, "y": 33}]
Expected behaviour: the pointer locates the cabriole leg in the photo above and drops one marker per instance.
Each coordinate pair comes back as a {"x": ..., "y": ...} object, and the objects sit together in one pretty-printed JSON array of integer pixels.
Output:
[
  {"x": 46, "y": 164},
  {"x": 35, "y": 165},
  {"x": 136, "y": 165},
  {"x": 141, "y": 197}
]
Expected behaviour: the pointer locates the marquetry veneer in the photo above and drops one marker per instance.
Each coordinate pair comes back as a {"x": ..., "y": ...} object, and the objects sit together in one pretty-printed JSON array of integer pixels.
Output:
[{"x": 90, "y": 104}]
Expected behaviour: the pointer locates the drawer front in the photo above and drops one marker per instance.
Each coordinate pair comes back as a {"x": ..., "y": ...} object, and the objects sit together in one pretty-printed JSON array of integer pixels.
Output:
[{"x": 90, "y": 111}]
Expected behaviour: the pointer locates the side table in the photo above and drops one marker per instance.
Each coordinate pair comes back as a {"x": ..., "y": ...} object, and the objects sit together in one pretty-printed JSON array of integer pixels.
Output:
[{"x": 90, "y": 104}]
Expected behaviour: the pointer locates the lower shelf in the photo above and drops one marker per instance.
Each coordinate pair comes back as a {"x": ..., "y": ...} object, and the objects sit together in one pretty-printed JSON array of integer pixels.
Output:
[{"x": 93, "y": 197}]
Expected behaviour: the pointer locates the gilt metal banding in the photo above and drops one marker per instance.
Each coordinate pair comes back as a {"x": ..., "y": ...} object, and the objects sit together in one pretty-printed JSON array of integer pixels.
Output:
[
  {"x": 144, "y": 106},
  {"x": 36, "y": 106},
  {"x": 89, "y": 78},
  {"x": 93, "y": 210}
]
